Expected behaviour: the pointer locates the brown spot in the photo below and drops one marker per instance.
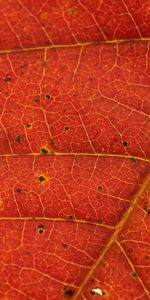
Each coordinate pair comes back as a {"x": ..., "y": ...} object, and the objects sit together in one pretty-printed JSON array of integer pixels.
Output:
[
  {"x": 100, "y": 221},
  {"x": 28, "y": 252},
  {"x": 44, "y": 15},
  {"x": 41, "y": 229},
  {"x": 146, "y": 256},
  {"x": 22, "y": 66},
  {"x": 66, "y": 128},
  {"x": 29, "y": 125},
  {"x": 147, "y": 207},
  {"x": 125, "y": 144},
  {"x": 72, "y": 11},
  {"x": 99, "y": 187},
  {"x": 133, "y": 160},
  {"x": 68, "y": 293},
  {"x": 44, "y": 150},
  {"x": 41, "y": 178},
  {"x": 134, "y": 274},
  {"x": 18, "y": 190},
  {"x": 65, "y": 245},
  {"x": 70, "y": 218},
  {"x": 48, "y": 97},
  {"x": 36, "y": 99},
  {"x": 7, "y": 78},
  {"x": 19, "y": 139},
  {"x": 52, "y": 142}
]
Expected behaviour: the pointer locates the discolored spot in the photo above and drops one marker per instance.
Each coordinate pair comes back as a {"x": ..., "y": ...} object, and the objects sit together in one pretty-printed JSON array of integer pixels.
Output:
[
  {"x": 100, "y": 221},
  {"x": 99, "y": 187},
  {"x": 72, "y": 11},
  {"x": 22, "y": 66},
  {"x": 36, "y": 99},
  {"x": 41, "y": 229},
  {"x": 44, "y": 150},
  {"x": 146, "y": 257},
  {"x": 115, "y": 139},
  {"x": 125, "y": 144},
  {"x": 44, "y": 15},
  {"x": 97, "y": 291},
  {"x": 66, "y": 128},
  {"x": 48, "y": 97},
  {"x": 41, "y": 178},
  {"x": 65, "y": 245},
  {"x": 68, "y": 293},
  {"x": 133, "y": 160},
  {"x": 134, "y": 274},
  {"x": 19, "y": 139},
  {"x": 29, "y": 125},
  {"x": 7, "y": 78},
  {"x": 147, "y": 207},
  {"x": 52, "y": 142},
  {"x": 18, "y": 190},
  {"x": 29, "y": 252},
  {"x": 70, "y": 218}
]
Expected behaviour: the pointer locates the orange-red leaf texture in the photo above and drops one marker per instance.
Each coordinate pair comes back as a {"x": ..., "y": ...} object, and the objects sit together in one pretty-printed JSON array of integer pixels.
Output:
[{"x": 74, "y": 150}]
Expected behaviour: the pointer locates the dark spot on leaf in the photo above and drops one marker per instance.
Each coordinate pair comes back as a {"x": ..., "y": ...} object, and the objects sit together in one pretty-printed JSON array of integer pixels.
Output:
[
  {"x": 100, "y": 221},
  {"x": 134, "y": 274},
  {"x": 29, "y": 125},
  {"x": 41, "y": 178},
  {"x": 44, "y": 150},
  {"x": 99, "y": 188},
  {"x": 115, "y": 139},
  {"x": 22, "y": 66},
  {"x": 41, "y": 229},
  {"x": 18, "y": 190},
  {"x": 125, "y": 144},
  {"x": 66, "y": 128},
  {"x": 19, "y": 139},
  {"x": 146, "y": 256},
  {"x": 133, "y": 160},
  {"x": 48, "y": 97},
  {"x": 52, "y": 142},
  {"x": 7, "y": 78},
  {"x": 68, "y": 293},
  {"x": 64, "y": 110},
  {"x": 147, "y": 207},
  {"x": 65, "y": 245},
  {"x": 36, "y": 98},
  {"x": 28, "y": 252},
  {"x": 70, "y": 218}
]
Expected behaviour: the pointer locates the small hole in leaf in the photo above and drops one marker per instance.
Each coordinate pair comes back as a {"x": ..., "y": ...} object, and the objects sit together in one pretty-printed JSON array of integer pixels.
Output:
[
  {"x": 68, "y": 293},
  {"x": 41, "y": 229},
  {"x": 36, "y": 99},
  {"x": 19, "y": 139},
  {"x": 125, "y": 144},
  {"x": 99, "y": 187},
  {"x": 7, "y": 78},
  {"x": 66, "y": 128},
  {"x": 41, "y": 178},
  {"x": 48, "y": 97}
]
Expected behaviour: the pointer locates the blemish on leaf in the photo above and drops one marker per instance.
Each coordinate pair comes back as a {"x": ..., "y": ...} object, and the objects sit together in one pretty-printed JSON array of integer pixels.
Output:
[
  {"x": 7, "y": 78},
  {"x": 41, "y": 229},
  {"x": 100, "y": 221},
  {"x": 125, "y": 143},
  {"x": 72, "y": 11},
  {"x": 29, "y": 252},
  {"x": 36, "y": 98},
  {"x": 66, "y": 128},
  {"x": 52, "y": 142},
  {"x": 97, "y": 291},
  {"x": 68, "y": 293},
  {"x": 22, "y": 66},
  {"x": 42, "y": 178},
  {"x": 147, "y": 257},
  {"x": 133, "y": 160},
  {"x": 65, "y": 245},
  {"x": 18, "y": 190},
  {"x": 19, "y": 139},
  {"x": 44, "y": 15},
  {"x": 70, "y": 218},
  {"x": 48, "y": 97},
  {"x": 44, "y": 150},
  {"x": 29, "y": 126},
  {"x": 134, "y": 274},
  {"x": 99, "y": 187},
  {"x": 147, "y": 207}
]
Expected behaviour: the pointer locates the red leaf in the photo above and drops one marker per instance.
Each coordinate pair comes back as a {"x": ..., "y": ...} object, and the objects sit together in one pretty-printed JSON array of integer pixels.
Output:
[{"x": 74, "y": 151}]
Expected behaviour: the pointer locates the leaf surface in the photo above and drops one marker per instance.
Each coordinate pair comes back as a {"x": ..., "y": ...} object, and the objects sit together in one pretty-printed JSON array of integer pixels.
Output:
[{"x": 74, "y": 151}]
